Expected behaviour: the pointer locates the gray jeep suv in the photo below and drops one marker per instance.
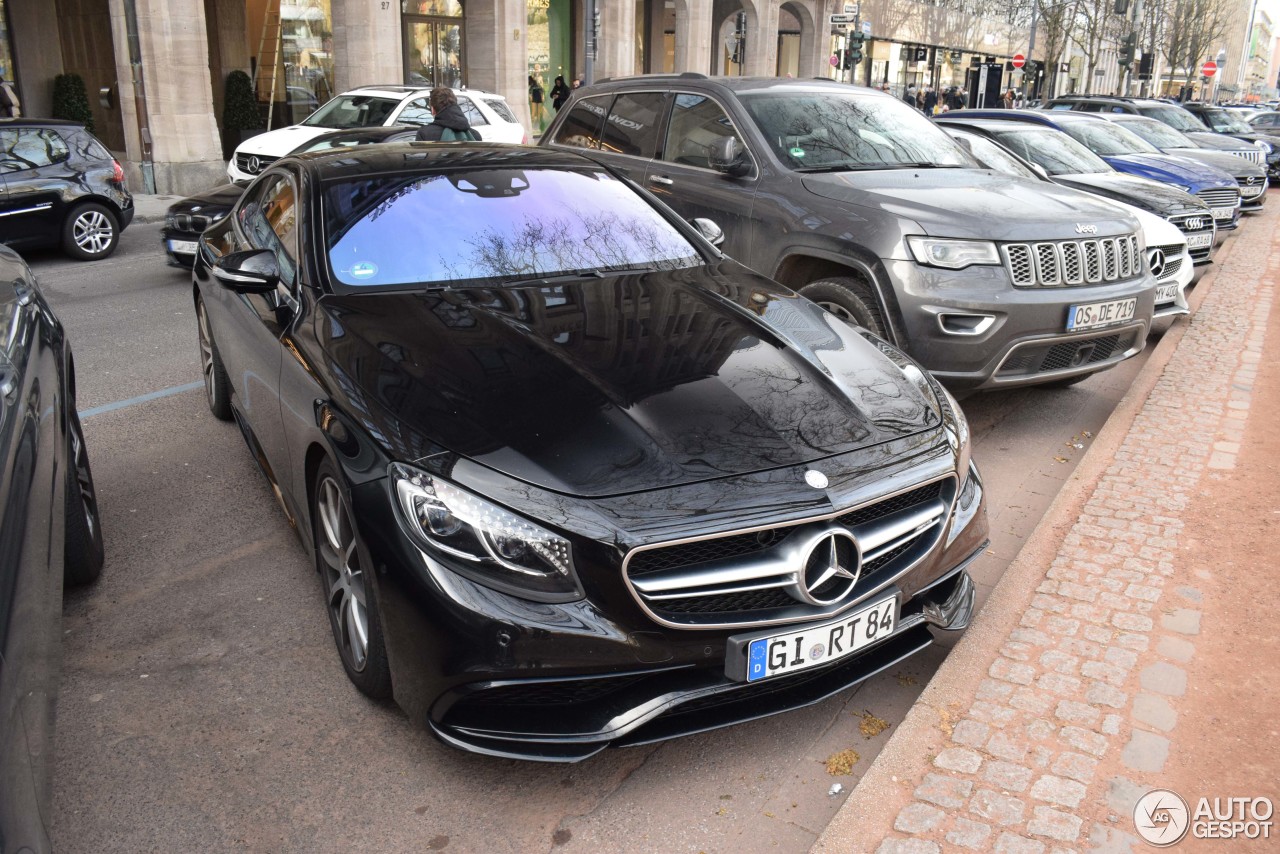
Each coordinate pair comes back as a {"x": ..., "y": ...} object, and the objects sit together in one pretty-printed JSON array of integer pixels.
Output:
[{"x": 863, "y": 205}]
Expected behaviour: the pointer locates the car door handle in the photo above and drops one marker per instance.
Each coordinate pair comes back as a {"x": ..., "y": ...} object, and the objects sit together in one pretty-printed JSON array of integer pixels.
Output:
[{"x": 661, "y": 179}]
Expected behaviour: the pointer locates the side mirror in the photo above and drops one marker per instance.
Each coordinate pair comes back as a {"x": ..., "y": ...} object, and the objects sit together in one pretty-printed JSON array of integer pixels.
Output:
[
  {"x": 710, "y": 232},
  {"x": 728, "y": 156},
  {"x": 253, "y": 271}
]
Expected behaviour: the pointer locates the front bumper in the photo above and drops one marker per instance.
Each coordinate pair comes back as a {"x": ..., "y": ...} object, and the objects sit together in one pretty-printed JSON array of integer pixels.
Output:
[
  {"x": 495, "y": 674},
  {"x": 178, "y": 257},
  {"x": 1021, "y": 336},
  {"x": 1253, "y": 196}
]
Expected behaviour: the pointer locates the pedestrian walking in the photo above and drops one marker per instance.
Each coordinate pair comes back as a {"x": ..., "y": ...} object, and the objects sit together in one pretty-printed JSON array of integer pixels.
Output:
[
  {"x": 930, "y": 101},
  {"x": 910, "y": 96},
  {"x": 559, "y": 92},
  {"x": 449, "y": 123},
  {"x": 1007, "y": 100}
]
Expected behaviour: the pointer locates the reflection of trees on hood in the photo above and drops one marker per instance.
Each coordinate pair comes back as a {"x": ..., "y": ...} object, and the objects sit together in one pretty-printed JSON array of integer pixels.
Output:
[{"x": 573, "y": 241}]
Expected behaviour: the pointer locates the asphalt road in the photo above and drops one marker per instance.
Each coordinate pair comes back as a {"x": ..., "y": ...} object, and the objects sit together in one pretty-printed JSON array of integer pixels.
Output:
[{"x": 203, "y": 706}]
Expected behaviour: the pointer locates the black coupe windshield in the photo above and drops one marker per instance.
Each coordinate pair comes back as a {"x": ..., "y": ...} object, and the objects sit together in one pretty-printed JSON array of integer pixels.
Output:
[
  {"x": 1175, "y": 117},
  {"x": 1158, "y": 134},
  {"x": 461, "y": 226},
  {"x": 830, "y": 131},
  {"x": 352, "y": 111},
  {"x": 1058, "y": 153},
  {"x": 1108, "y": 140}
]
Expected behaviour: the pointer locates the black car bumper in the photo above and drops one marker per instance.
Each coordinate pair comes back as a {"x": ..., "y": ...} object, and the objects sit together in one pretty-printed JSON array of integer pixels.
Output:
[
  {"x": 172, "y": 239},
  {"x": 499, "y": 675}
]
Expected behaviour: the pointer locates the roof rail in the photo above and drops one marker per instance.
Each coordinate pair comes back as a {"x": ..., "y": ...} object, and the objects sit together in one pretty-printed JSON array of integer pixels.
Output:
[{"x": 683, "y": 75}]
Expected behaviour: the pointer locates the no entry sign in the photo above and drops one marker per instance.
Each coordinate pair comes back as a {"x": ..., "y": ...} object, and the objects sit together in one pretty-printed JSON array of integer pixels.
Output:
[
  {"x": 1209, "y": 68},
  {"x": 1019, "y": 60}
]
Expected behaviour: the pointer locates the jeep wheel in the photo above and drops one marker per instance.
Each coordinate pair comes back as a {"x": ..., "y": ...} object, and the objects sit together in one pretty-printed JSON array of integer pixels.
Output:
[{"x": 849, "y": 299}]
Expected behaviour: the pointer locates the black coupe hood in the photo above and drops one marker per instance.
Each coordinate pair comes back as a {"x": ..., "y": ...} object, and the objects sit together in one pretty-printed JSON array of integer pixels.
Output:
[
  {"x": 1163, "y": 200},
  {"x": 222, "y": 197},
  {"x": 622, "y": 384}
]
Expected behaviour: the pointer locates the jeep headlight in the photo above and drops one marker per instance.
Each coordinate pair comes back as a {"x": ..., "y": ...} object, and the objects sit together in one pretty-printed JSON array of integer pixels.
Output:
[
  {"x": 487, "y": 544},
  {"x": 952, "y": 254}
]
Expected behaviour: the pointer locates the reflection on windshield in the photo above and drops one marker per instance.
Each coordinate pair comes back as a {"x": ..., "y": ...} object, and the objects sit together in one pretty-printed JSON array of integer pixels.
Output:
[
  {"x": 504, "y": 224},
  {"x": 1174, "y": 117},
  {"x": 1058, "y": 153},
  {"x": 1224, "y": 122},
  {"x": 352, "y": 111},
  {"x": 1158, "y": 134},
  {"x": 812, "y": 131},
  {"x": 1109, "y": 140},
  {"x": 992, "y": 156}
]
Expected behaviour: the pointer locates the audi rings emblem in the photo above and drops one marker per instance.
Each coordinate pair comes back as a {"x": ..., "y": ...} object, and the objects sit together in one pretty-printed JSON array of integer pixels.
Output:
[
  {"x": 1155, "y": 257},
  {"x": 816, "y": 479},
  {"x": 831, "y": 569},
  {"x": 1195, "y": 223},
  {"x": 254, "y": 165}
]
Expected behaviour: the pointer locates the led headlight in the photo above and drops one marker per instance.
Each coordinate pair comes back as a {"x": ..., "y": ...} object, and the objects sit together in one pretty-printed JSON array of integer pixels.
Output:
[
  {"x": 958, "y": 428},
  {"x": 1264, "y": 145},
  {"x": 952, "y": 254},
  {"x": 488, "y": 544}
]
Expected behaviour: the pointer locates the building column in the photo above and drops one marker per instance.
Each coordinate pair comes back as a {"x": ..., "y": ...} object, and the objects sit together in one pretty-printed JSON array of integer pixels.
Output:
[
  {"x": 762, "y": 39},
  {"x": 367, "y": 44},
  {"x": 498, "y": 53},
  {"x": 695, "y": 42},
  {"x": 616, "y": 56},
  {"x": 186, "y": 153}
]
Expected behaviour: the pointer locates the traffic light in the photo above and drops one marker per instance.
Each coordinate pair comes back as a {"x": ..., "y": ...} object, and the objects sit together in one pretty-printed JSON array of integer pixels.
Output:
[
  {"x": 1029, "y": 68},
  {"x": 854, "y": 54},
  {"x": 1128, "y": 45}
]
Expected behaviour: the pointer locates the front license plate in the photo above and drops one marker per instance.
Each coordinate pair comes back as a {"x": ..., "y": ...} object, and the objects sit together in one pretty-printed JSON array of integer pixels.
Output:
[
  {"x": 1097, "y": 314},
  {"x": 1222, "y": 213},
  {"x": 186, "y": 247},
  {"x": 1166, "y": 293},
  {"x": 822, "y": 644},
  {"x": 1199, "y": 241}
]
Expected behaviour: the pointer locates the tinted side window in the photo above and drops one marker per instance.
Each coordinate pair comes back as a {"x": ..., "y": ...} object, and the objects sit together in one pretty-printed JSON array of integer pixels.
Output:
[
  {"x": 1090, "y": 107},
  {"x": 1060, "y": 106},
  {"x": 632, "y": 126},
  {"x": 501, "y": 108},
  {"x": 31, "y": 148},
  {"x": 472, "y": 112},
  {"x": 270, "y": 221},
  {"x": 416, "y": 112},
  {"x": 697, "y": 123},
  {"x": 581, "y": 128}
]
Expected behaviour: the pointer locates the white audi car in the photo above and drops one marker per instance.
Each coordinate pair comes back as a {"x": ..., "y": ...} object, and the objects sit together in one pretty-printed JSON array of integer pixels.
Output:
[{"x": 375, "y": 106}]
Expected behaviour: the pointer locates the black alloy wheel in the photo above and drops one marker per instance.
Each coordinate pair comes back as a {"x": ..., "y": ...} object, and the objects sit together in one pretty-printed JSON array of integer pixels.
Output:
[
  {"x": 348, "y": 587},
  {"x": 84, "y": 551}
]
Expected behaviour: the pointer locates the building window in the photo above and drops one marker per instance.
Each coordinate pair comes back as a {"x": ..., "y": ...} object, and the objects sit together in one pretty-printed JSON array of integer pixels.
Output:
[
  {"x": 306, "y": 54},
  {"x": 434, "y": 43},
  {"x": 548, "y": 29},
  {"x": 7, "y": 71}
]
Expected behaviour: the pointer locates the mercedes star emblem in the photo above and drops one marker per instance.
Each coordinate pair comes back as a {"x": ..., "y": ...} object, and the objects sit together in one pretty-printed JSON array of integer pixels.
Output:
[
  {"x": 255, "y": 166},
  {"x": 1155, "y": 258},
  {"x": 816, "y": 479},
  {"x": 831, "y": 569}
]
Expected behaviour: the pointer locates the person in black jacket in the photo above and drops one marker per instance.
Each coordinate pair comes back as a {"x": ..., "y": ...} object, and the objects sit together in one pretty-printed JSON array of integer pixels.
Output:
[
  {"x": 559, "y": 92},
  {"x": 447, "y": 116}
]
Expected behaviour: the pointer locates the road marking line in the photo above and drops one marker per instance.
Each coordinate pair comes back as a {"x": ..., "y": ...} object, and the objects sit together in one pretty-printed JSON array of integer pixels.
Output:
[{"x": 142, "y": 398}]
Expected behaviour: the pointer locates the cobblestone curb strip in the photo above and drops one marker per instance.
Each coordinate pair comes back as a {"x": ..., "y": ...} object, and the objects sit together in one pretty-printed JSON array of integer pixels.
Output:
[{"x": 1069, "y": 664}]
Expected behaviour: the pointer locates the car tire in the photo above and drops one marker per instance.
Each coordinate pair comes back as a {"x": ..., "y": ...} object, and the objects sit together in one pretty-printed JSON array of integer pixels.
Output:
[
  {"x": 849, "y": 299},
  {"x": 217, "y": 388},
  {"x": 349, "y": 589},
  {"x": 84, "y": 551},
  {"x": 91, "y": 231}
]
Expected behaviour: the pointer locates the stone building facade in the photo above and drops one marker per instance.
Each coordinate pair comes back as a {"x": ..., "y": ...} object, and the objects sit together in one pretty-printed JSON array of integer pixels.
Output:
[{"x": 156, "y": 69}]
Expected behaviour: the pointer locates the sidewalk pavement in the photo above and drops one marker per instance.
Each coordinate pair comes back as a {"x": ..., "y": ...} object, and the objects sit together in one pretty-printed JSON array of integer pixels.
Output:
[
  {"x": 1132, "y": 644},
  {"x": 151, "y": 208}
]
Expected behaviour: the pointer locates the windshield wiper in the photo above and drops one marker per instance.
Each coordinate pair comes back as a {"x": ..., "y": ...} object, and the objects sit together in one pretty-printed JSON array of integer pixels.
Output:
[{"x": 576, "y": 276}]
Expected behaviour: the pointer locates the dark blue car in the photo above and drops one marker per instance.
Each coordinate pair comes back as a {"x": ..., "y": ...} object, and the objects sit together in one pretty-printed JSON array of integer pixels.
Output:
[{"x": 1126, "y": 152}]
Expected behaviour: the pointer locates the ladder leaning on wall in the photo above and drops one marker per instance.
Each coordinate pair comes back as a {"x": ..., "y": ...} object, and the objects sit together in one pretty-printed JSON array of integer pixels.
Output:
[{"x": 269, "y": 48}]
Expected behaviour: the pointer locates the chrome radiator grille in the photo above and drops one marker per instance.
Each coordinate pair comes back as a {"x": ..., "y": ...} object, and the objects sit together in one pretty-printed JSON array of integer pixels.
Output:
[
  {"x": 750, "y": 578},
  {"x": 1171, "y": 264},
  {"x": 1072, "y": 262},
  {"x": 1252, "y": 186},
  {"x": 1227, "y": 198}
]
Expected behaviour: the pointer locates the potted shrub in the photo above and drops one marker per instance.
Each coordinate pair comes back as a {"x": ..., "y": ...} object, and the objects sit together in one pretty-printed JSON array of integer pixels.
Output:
[
  {"x": 241, "y": 117},
  {"x": 71, "y": 100}
]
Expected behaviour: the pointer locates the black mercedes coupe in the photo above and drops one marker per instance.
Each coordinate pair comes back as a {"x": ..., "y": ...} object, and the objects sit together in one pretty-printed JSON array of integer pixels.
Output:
[{"x": 570, "y": 477}]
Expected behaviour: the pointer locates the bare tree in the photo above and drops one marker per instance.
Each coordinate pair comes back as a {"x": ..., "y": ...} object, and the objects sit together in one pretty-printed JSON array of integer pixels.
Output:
[{"x": 1193, "y": 29}]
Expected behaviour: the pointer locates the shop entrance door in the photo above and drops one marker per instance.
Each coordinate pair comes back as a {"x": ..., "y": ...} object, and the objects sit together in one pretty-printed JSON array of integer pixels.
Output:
[{"x": 433, "y": 52}]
